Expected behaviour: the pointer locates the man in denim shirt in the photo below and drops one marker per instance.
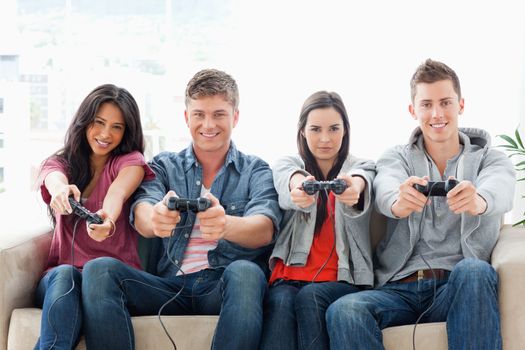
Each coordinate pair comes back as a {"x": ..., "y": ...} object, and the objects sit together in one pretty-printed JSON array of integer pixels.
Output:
[{"x": 213, "y": 257}]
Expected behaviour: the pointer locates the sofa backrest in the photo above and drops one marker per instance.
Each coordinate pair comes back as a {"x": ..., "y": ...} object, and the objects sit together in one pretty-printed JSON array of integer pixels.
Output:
[{"x": 377, "y": 228}]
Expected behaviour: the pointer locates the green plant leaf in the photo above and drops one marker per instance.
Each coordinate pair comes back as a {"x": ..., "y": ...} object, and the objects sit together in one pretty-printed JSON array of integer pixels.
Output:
[
  {"x": 509, "y": 140},
  {"x": 522, "y": 222},
  {"x": 508, "y": 148},
  {"x": 518, "y": 138},
  {"x": 522, "y": 179},
  {"x": 516, "y": 154}
]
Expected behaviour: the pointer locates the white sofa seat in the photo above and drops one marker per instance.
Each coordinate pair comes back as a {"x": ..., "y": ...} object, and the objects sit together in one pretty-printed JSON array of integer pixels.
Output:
[{"x": 21, "y": 266}]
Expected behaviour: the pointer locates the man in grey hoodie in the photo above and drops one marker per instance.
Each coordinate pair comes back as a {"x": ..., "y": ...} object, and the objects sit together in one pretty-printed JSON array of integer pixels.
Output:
[{"x": 432, "y": 264}]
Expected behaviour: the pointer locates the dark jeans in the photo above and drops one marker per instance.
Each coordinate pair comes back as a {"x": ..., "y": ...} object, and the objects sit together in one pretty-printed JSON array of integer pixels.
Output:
[
  {"x": 113, "y": 292},
  {"x": 468, "y": 302},
  {"x": 61, "y": 308},
  {"x": 294, "y": 314}
]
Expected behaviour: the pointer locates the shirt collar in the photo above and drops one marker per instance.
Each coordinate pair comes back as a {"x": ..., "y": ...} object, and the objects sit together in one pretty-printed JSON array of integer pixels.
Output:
[{"x": 231, "y": 157}]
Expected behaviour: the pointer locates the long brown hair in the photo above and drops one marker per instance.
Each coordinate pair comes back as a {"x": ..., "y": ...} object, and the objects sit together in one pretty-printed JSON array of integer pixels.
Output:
[
  {"x": 322, "y": 99},
  {"x": 75, "y": 155}
]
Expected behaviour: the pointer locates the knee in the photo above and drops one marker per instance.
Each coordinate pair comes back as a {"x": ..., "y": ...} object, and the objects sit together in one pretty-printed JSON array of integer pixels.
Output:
[
  {"x": 99, "y": 274},
  {"x": 244, "y": 273},
  {"x": 473, "y": 273},
  {"x": 345, "y": 310},
  {"x": 64, "y": 272},
  {"x": 307, "y": 296},
  {"x": 245, "y": 280},
  {"x": 100, "y": 266},
  {"x": 62, "y": 279},
  {"x": 281, "y": 297}
]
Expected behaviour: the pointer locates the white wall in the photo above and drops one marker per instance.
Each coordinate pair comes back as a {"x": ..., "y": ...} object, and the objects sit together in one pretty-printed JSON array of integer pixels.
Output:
[{"x": 282, "y": 51}]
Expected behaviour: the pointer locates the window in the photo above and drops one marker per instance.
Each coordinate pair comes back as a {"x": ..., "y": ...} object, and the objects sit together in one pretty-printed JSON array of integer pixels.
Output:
[
  {"x": 152, "y": 48},
  {"x": 2, "y": 189},
  {"x": 7, "y": 58}
]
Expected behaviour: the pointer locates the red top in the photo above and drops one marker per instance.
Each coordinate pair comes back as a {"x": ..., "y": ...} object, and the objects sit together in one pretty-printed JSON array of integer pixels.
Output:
[
  {"x": 122, "y": 245},
  {"x": 322, "y": 244}
]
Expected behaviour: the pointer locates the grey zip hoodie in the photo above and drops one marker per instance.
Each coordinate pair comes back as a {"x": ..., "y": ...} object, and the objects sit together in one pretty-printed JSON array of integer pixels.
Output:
[
  {"x": 491, "y": 172},
  {"x": 351, "y": 226}
]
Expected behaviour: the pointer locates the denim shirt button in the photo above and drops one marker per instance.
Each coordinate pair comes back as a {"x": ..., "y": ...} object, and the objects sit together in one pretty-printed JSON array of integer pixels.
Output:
[
  {"x": 186, "y": 235},
  {"x": 233, "y": 207},
  {"x": 176, "y": 262},
  {"x": 198, "y": 183}
]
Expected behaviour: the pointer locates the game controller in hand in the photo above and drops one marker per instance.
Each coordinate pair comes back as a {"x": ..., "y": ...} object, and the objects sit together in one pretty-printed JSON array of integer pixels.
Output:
[
  {"x": 437, "y": 189},
  {"x": 184, "y": 204},
  {"x": 83, "y": 213},
  {"x": 338, "y": 186}
]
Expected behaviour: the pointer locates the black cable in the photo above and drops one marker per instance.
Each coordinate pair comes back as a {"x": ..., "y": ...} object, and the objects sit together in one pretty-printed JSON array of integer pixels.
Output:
[
  {"x": 178, "y": 293},
  {"x": 331, "y": 217},
  {"x": 72, "y": 283},
  {"x": 434, "y": 279}
]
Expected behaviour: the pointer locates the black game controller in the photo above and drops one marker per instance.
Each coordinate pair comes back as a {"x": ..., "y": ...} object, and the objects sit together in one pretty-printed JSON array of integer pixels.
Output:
[
  {"x": 184, "y": 204},
  {"x": 83, "y": 213},
  {"x": 338, "y": 186},
  {"x": 437, "y": 189}
]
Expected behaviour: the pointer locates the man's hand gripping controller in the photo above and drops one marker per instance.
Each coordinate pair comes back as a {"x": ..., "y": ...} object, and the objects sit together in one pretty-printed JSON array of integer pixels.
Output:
[
  {"x": 437, "y": 189},
  {"x": 184, "y": 204}
]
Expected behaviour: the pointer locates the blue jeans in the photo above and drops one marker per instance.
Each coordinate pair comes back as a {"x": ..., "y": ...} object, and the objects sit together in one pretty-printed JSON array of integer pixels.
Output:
[
  {"x": 468, "y": 302},
  {"x": 61, "y": 308},
  {"x": 112, "y": 292},
  {"x": 294, "y": 314}
]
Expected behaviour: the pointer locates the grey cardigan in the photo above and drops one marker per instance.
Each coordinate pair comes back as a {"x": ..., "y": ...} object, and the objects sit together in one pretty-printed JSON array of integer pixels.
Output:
[
  {"x": 351, "y": 226},
  {"x": 489, "y": 170}
]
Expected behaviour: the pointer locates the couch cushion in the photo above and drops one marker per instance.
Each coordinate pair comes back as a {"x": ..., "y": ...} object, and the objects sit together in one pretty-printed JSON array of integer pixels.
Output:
[
  {"x": 21, "y": 266},
  {"x": 196, "y": 332},
  {"x": 188, "y": 332},
  {"x": 429, "y": 336}
]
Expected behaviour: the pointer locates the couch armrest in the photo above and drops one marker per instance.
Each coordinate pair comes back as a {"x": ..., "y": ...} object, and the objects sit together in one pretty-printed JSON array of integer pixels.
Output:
[
  {"x": 21, "y": 266},
  {"x": 508, "y": 258}
]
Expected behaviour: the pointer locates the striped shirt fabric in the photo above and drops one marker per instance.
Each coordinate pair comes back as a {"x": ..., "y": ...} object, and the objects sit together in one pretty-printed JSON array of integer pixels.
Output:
[{"x": 196, "y": 253}]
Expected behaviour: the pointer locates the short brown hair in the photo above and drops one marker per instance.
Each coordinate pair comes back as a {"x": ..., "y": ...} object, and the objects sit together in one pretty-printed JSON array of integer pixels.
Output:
[
  {"x": 211, "y": 82},
  {"x": 431, "y": 71}
]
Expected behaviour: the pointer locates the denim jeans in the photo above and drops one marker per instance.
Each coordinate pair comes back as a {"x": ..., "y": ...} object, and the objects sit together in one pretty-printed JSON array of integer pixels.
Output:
[
  {"x": 467, "y": 301},
  {"x": 61, "y": 308},
  {"x": 112, "y": 292},
  {"x": 294, "y": 314}
]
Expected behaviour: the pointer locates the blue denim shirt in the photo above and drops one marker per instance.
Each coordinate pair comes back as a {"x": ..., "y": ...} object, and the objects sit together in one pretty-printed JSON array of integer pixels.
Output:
[{"x": 244, "y": 187}]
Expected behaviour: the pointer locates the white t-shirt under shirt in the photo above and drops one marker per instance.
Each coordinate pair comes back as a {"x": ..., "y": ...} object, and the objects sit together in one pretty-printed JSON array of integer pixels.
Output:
[{"x": 196, "y": 253}]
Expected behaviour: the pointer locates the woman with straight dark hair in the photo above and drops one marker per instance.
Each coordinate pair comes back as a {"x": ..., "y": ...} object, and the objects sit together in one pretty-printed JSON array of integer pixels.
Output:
[
  {"x": 323, "y": 249},
  {"x": 100, "y": 166}
]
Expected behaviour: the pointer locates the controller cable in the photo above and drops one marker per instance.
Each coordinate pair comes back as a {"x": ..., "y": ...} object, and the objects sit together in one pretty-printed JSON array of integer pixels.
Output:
[
  {"x": 170, "y": 258},
  {"x": 77, "y": 220},
  {"x": 434, "y": 279},
  {"x": 332, "y": 221}
]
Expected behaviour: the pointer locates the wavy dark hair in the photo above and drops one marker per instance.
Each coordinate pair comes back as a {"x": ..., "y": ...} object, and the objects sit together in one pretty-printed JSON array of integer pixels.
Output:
[
  {"x": 321, "y": 100},
  {"x": 75, "y": 155}
]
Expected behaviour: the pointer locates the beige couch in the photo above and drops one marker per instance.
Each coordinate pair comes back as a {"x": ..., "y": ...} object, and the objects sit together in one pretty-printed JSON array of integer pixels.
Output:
[{"x": 21, "y": 264}]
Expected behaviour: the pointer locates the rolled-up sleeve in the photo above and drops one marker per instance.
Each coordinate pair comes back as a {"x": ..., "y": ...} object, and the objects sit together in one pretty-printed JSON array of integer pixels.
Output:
[{"x": 263, "y": 196}]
